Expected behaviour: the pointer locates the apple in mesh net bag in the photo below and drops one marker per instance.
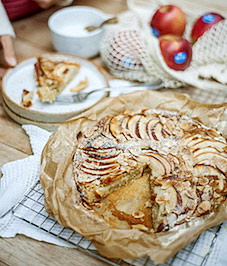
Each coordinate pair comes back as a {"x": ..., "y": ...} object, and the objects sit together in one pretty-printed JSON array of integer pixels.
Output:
[
  {"x": 176, "y": 51},
  {"x": 204, "y": 23},
  {"x": 168, "y": 19},
  {"x": 125, "y": 51}
]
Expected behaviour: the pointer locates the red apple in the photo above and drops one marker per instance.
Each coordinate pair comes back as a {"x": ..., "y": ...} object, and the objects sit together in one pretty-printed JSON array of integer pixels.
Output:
[
  {"x": 176, "y": 51},
  {"x": 203, "y": 24},
  {"x": 168, "y": 19}
]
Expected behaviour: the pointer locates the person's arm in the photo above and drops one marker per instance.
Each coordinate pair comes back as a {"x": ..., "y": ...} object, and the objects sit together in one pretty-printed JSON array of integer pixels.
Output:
[
  {"x": 6, "y": 37},
  {"x": 47, "y": 3}
]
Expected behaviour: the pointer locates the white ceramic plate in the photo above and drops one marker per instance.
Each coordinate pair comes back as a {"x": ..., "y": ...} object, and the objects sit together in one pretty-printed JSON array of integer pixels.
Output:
[{"x": 22, "y": 77}]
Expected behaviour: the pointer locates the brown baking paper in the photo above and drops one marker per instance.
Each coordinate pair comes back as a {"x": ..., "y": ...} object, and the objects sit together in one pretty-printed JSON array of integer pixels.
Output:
[{"x": 61, "y": 195}]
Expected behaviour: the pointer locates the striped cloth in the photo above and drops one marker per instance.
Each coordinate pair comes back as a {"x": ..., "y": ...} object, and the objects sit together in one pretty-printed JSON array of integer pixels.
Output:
[{"x": 16, "y": 9}]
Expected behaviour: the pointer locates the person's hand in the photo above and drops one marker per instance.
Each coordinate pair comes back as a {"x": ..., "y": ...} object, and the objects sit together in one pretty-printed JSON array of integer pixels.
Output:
[
  {"x": 8, "y": 52},
  {"x": 46, "y": 3}
]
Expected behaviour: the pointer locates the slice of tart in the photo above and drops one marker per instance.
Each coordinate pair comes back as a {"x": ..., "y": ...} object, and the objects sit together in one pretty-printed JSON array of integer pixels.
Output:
[{"x": 53, "y": 76}]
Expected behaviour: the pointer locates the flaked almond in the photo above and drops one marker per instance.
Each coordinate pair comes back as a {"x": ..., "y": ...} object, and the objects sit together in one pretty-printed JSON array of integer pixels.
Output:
[
  {"x": 170, "y": 197},
  {"x": 187, "y": 127},
  {"x": 172, "y": 218},
  {"x": 88, "y": 132},
  {"x": 183, "y": 185},
  {"x": 132, "y": 163},
  {"x": 184, "y": 199},
  {"x": 206, "y": 196},
  {"x": 208, "y": 189},
  {"x": 160, "y": 199},
  {"x": 166, "y": 184},
  {"x": 190, "y": 193},
  {"x": 200, "y": 188},
  {"x": 140, "y": 227},
  {"x": 192, "y": 204},
  {"x": 138, "y": 214},
  {"x": 216, "y": 195},
  {"x": 80, "y": 86},
  {"x": 170, "y": 125},
  {"x": 212, "y": 132},
  {"x": 203, "y": 181},
  {"x": 221, "y": 184},
  {"x": 148, "y": 204},
  {"x": 204, "y": 207}
]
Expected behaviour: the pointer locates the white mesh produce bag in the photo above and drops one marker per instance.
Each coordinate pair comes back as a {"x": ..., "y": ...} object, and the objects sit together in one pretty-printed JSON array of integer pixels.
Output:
[{"x": 130, "y": 50}]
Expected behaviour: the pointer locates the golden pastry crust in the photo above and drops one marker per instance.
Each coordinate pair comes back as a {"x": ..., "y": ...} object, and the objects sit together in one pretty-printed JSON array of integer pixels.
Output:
[
  {"x": 53, "y": 75},
  {"x": 186, "y": 161}
]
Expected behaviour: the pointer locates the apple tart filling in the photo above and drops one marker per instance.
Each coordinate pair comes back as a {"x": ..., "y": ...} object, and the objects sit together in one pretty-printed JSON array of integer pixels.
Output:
[
  {"x": 52, "y": 76},
  {"x": 184, "y": 162}
]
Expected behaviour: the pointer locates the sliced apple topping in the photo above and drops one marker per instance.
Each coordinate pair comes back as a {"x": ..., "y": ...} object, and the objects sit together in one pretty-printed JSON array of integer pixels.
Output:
[
  {"x": 188, "y": 126},
  {"x": 142, "y": 128},
  {"x": 124, "y": 128},
  {"x": 186, "y": 162},
  {"x": 204, "y": 207},
  {"x": 133, "y": 126},
  {"x": 214, "y": 159},
  {"x": 150, "y": 128},
  {"x": 115, "y": 126},
  {"x": 204, "y": 143}
]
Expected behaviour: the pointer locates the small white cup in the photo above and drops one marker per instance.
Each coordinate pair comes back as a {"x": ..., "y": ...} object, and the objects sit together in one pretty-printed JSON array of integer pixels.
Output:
[{"x": 68, "y": 30}]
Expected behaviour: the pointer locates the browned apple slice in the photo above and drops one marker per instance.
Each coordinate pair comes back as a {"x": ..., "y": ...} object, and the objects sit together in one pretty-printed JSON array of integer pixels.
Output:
[
  {"x": 125, "y": 129},
  {"x": 101, "y": 153},
  {"x": 213, "y": 159},
  {"x": 142, "y": 128},
  {"x": 99, "y": 167},
  {"x": 115, "y": 126},
  {"x": 189, "y": 138},
  {"x": 195, "y": 141},
  {"x": 150, "y": 128},
  {"x": 101, "y": 161},
  {"x": 157, "y": 131},
  {"x": 99, "y": 171},
  {"x": 170, "y": 125},
  {"x": 207, "y": 170},
  {"x": 165, "y": 162},
  {"x": 155, "y": 164},
  {"x": 132, "y": 125},
  {"x": 208, "y": 149},
  {"x": 210, "y": 143},
  {"x": 104, "y": 124},
  {"x": 174, "y": 161}
]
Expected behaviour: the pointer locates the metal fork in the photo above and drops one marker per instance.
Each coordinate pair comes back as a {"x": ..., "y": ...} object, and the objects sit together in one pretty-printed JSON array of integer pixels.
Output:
[{"x": 82, "y": 96}]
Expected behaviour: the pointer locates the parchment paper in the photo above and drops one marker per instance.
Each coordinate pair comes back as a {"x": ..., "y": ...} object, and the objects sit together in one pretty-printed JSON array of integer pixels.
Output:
[{"x": 62, "y": 199}]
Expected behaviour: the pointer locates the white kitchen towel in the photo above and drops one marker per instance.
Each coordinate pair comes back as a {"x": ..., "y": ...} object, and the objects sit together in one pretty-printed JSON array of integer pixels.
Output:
[{"x": 20, "y": 175}]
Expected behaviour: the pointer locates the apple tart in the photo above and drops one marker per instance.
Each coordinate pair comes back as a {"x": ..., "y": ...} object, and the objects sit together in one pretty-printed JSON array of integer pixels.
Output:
[
  {"x": 53, "y": 75},
  {"x": 151, "y": 169}
]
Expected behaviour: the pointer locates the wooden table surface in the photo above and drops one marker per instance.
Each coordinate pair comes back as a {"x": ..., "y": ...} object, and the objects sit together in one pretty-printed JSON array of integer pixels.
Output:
[{"x": 33, "y": 39}]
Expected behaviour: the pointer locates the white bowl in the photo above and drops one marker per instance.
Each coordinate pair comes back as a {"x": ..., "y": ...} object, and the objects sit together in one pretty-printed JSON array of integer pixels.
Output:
[{"x": 68, "y": 33}]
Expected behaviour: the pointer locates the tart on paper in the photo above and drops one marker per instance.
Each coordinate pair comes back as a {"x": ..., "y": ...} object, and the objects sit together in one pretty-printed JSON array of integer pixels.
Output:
[
  {"x": 139, "y": 177},
  {"x": 53, "y": 76},
  {"x": 175, "y": 167}
]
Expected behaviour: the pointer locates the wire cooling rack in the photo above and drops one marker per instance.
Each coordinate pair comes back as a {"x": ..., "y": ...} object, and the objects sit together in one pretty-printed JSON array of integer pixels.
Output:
[{"x": 31, "y": 209}]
